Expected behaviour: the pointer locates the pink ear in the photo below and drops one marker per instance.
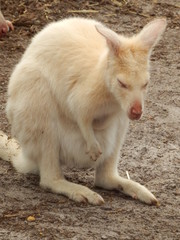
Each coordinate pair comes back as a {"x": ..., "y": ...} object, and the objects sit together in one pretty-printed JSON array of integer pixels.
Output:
[
  {"x": 111, "y": 37},
  {"x": 151, "y": 33}
]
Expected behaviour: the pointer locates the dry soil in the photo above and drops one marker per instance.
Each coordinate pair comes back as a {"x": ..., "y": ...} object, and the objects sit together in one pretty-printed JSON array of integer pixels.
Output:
[{"x": 150, "y": 153}]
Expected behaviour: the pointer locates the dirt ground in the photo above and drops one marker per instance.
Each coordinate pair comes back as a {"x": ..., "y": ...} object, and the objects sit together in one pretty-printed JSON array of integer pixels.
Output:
[{"x": 150, "y": 153}]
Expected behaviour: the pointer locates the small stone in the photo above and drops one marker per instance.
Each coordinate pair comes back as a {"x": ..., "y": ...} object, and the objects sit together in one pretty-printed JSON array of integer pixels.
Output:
[
  {"x": 31, "y": 219},
  {"x": 103, "y": 237},
  {"x": 177, "y": 192},
  {"x": 172, "y": 147},
  {"x": 143, "y": 150}
]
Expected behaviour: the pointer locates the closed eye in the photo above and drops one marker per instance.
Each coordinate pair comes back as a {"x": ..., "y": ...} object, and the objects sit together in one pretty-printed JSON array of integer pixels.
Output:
[
  {"x": 123, "y": 85},
  {"x": 145, "y": 85}
]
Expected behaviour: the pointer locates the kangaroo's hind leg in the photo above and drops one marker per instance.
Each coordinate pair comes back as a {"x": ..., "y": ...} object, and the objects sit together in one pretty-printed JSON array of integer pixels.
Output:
[
  {"x": 107, "y": 177},
  {"x": 51, "y": 175}
]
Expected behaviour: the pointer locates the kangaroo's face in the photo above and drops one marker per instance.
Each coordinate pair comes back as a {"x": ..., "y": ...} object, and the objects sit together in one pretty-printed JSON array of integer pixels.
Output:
[
  {"x": 128, "y": 77},
  {"x": 127, "y": 73}
]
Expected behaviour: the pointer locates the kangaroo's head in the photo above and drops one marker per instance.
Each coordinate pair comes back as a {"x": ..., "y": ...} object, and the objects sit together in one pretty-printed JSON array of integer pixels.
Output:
[{"x": 127, "y": 73}]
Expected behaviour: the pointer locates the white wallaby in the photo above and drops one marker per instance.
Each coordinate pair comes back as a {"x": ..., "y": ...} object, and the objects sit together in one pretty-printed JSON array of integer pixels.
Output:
[{"x": 70, "y": 99}]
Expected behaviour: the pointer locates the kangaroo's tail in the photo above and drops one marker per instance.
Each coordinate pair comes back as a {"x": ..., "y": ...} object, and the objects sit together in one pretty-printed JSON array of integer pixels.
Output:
[
  {"x": 11, "y": 151},
  {"x": 9, "y": 148}
]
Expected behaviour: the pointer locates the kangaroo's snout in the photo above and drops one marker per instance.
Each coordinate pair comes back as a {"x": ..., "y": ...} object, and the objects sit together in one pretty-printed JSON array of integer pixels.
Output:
[{"x": 135, "y": 111}]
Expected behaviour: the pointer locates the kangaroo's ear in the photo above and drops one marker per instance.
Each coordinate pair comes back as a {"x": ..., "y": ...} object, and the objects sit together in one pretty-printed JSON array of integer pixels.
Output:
[
  {"x": 152, "y": 32},
  {"x": 111, "y": 37}
]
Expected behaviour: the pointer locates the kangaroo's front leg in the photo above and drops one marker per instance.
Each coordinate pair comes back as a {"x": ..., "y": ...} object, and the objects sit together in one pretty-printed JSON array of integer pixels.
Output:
[
  {"x": 107, "y": 177},
  {"x": 83, "y": 113},
  {"x": 86, "y": 126}
]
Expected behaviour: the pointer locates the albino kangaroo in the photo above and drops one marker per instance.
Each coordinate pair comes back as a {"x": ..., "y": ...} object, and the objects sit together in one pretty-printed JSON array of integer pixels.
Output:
[{"x": 70, "y": 99}]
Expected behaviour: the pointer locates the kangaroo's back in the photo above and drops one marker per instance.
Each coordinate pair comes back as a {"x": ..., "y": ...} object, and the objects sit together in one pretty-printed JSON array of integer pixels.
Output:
[{"x": 72, "y": 38}]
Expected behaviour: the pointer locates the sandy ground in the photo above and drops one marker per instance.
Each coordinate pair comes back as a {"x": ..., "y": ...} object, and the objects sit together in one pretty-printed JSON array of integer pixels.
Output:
[{"x": 150, "y": 153}]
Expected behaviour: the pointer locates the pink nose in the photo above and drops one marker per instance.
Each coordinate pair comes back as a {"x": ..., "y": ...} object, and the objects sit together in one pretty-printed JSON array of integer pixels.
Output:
[{"x": 135, "y": 111}]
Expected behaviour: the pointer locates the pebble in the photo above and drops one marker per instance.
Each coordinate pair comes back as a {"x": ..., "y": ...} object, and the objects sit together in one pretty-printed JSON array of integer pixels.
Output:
[
  {"x": 104, "y": 237},
  {"x": 31, "y": 219}
]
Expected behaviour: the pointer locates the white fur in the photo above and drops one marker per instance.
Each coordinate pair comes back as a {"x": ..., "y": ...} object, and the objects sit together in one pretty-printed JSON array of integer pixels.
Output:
[{"x": 66, "y": 106}]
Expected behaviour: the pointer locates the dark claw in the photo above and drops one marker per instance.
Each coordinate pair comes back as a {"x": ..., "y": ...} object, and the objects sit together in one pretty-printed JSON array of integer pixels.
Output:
[{"x": 155, "y": 203}]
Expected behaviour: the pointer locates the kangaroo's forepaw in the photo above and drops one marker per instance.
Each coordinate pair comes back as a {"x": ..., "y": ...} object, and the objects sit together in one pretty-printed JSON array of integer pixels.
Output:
[{"x": 94, "y": 151}]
